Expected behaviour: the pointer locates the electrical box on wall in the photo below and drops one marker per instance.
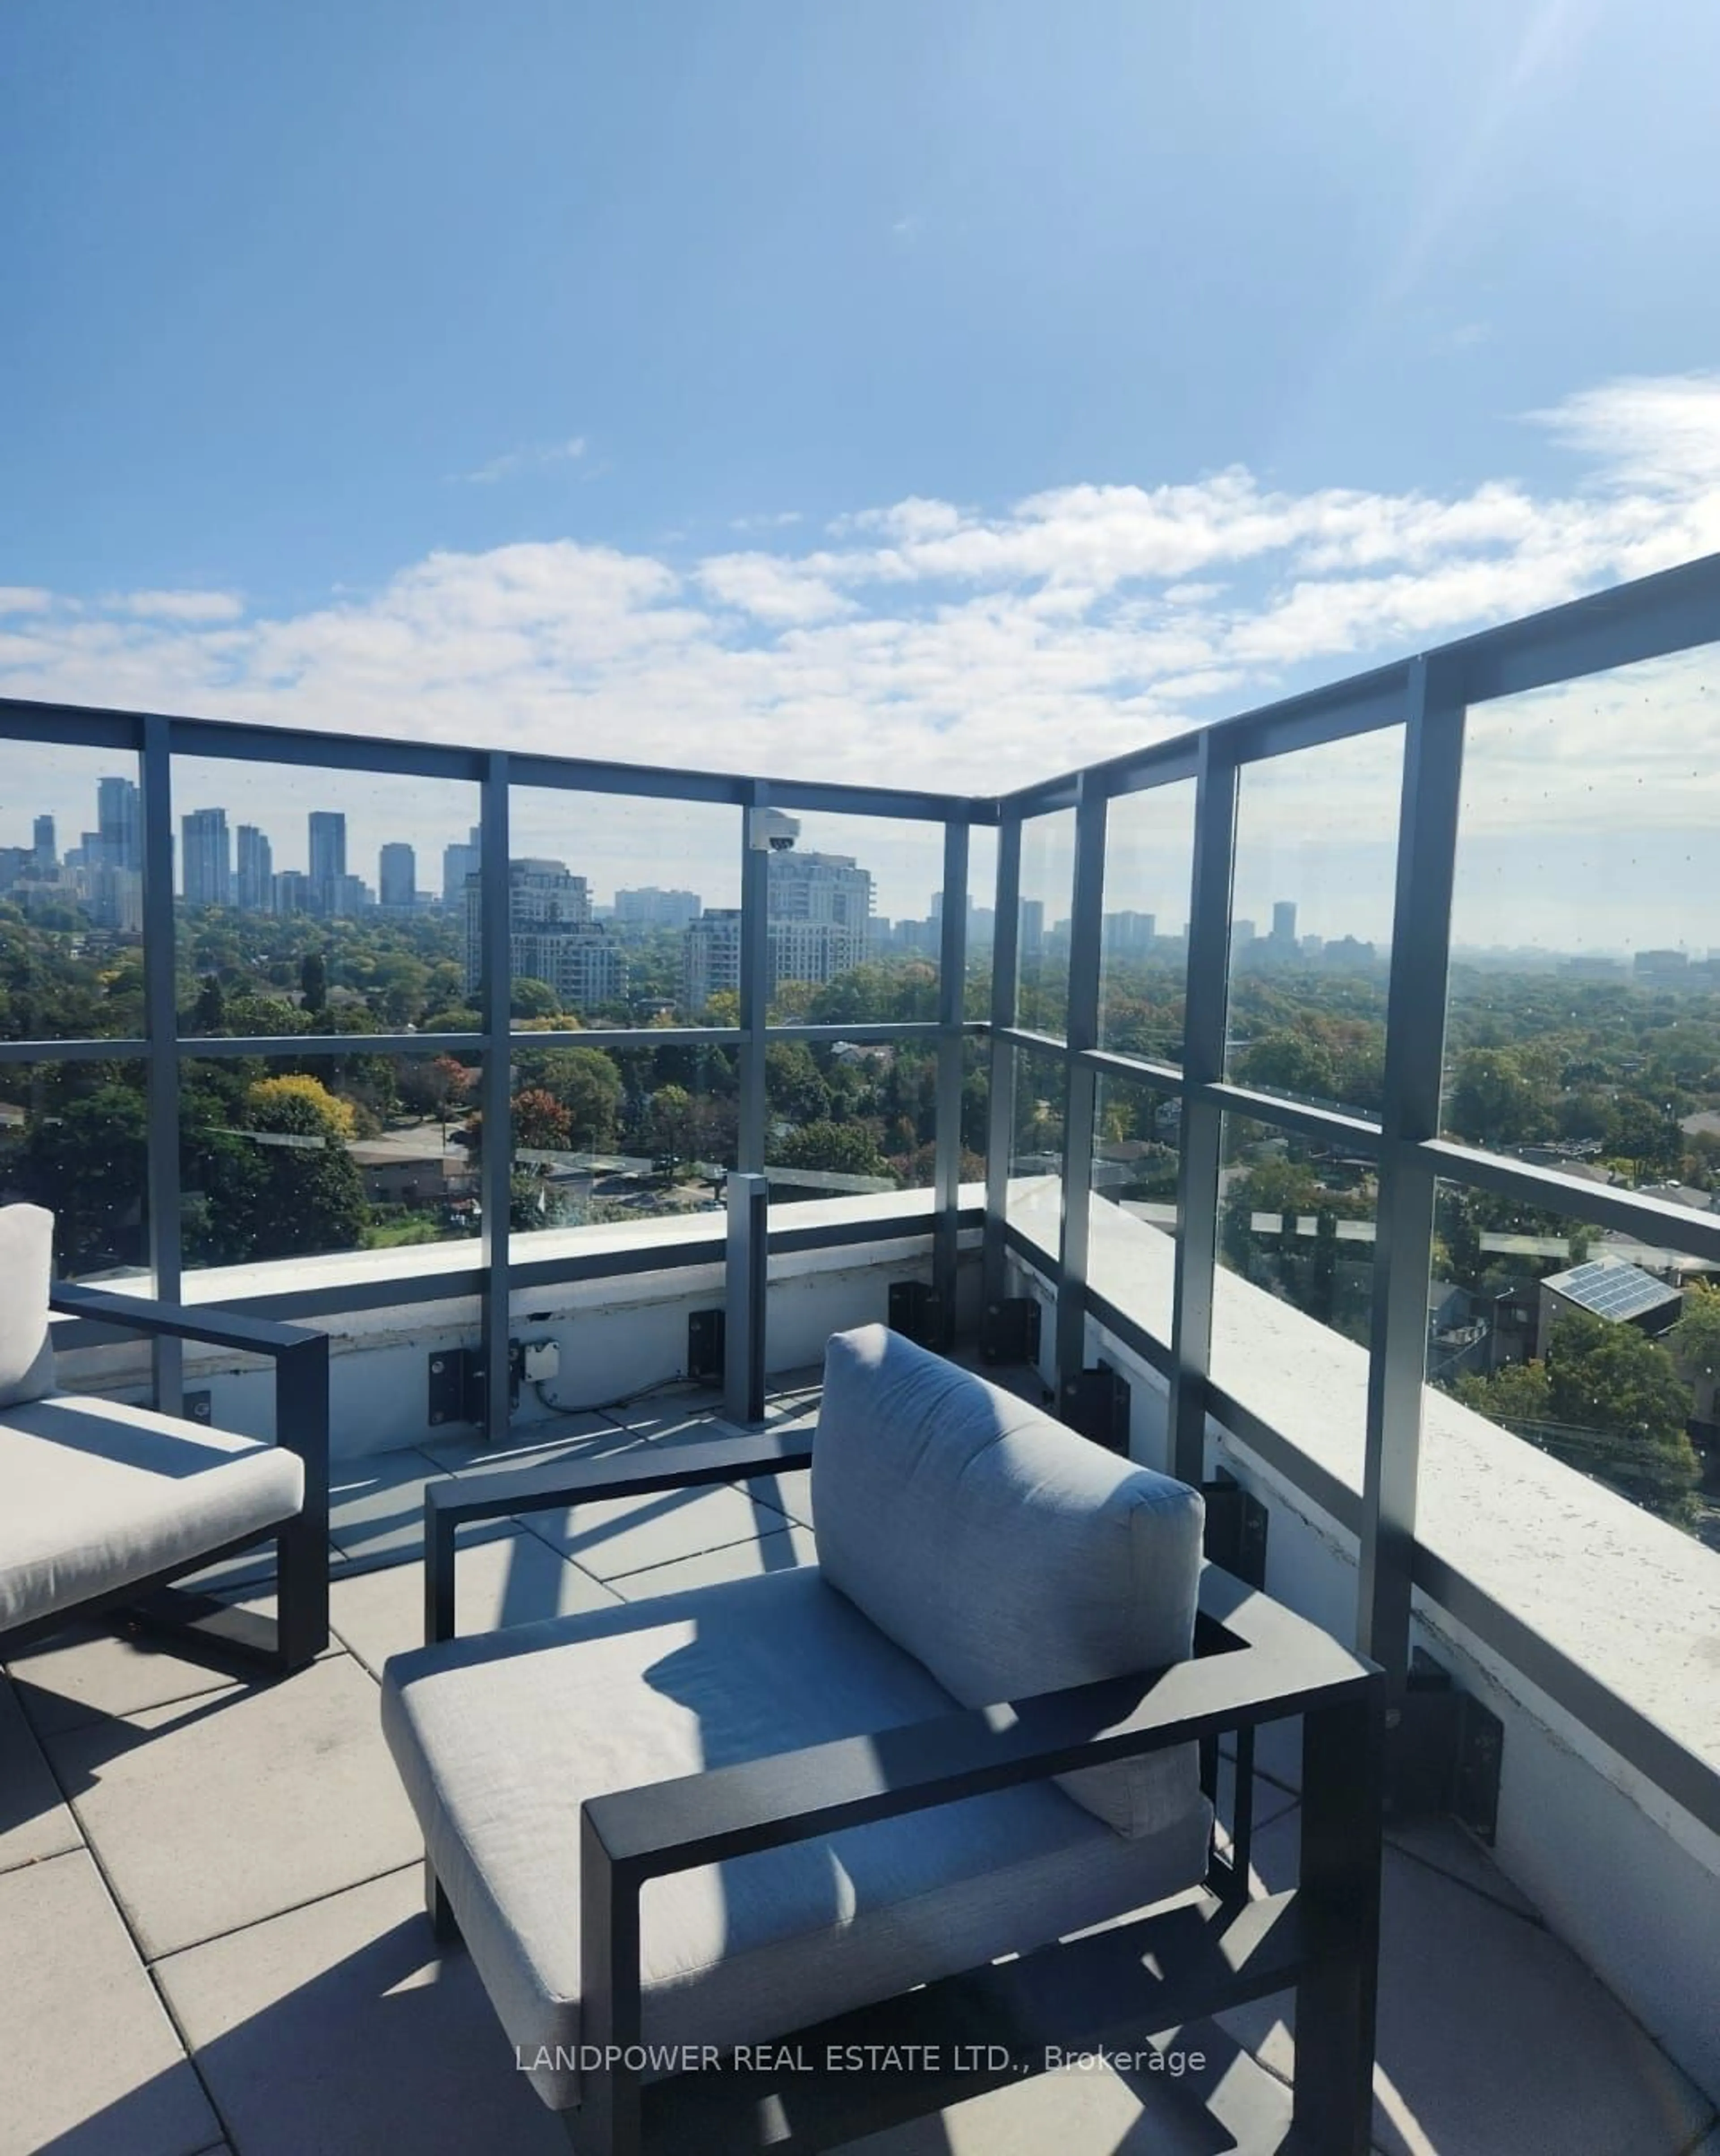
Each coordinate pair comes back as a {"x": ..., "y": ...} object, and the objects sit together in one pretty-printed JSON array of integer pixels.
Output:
[{"x": 542, "y": 1361}]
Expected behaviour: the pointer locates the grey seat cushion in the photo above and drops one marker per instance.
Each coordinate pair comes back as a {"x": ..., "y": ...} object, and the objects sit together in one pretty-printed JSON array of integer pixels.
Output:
[
  {"x": 26, "y": 1264},
  {"x": 1008, "y": 1554},
  {"x": 97, "y": 1495},
  {"x": 499, "y": 1738}
]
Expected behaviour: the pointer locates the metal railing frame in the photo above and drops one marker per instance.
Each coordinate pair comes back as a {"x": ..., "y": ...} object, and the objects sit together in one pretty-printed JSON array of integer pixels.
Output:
[{"x": 1426, "y": 697}]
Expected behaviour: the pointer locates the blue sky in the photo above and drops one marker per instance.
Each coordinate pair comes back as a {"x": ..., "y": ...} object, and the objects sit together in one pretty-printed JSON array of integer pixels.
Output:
[{"x": 961, "y": 391}]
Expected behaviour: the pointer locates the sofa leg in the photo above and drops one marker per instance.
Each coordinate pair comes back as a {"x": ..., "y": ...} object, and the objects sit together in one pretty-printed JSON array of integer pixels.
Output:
[
  {"x": 302, "y": 1590},
  {"x": 443, "y": 1923}
]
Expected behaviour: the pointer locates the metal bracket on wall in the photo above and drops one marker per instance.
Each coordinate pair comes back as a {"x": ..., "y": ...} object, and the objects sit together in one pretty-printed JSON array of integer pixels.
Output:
[
  {"x": 1096, "y": 1404},
  {"x": 456, "y": 1375},
  {"x": 707, "y": 1343},
  {"x": 1009, "y": 1330},
  {"x": 1236, "y": 1529},
  {"x": 916, "y": 1311},
  {"x": 1443, "y": 1752}
]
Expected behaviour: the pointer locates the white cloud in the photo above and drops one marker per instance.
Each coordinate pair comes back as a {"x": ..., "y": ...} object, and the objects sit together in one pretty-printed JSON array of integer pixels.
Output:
[
  {"x": 24, "y": 599},
  {"x": 1657, "y": 431},
  {"x": 178, "y": 606},
  {"x": 539, "y": 457},
  {"x": 771, "y": 588},
  {"x": 925, "y": 642}
]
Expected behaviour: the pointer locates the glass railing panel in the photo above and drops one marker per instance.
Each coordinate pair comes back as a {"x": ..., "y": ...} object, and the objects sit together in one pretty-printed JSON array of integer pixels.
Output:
[
  {"x": 981, "y": 919},
  {"x": 1034, "y": 1202},
  {"x": 1296, "y": 1229},
  {"x": 853, "y": 918},
  {"x": 311, "y": 901},
  {"x": 607, "y": 1137},
  {"x": 1311, "y": 915},
  {"x": 1133, "y": 1221},
  {"x": 624, "y": 909},
  {"x": 1048, "y": 888},
  {"x": 1599, "y": 1347},
  {"x": 74, "y": 1137},
  {"x": 71, "y": 894},
  {"x": 850, "y": 1119},
  {"x": 1583, "y": 1031},
  {"x": 1150, "y": 853},
  {"x": 324, "y": 1156}
]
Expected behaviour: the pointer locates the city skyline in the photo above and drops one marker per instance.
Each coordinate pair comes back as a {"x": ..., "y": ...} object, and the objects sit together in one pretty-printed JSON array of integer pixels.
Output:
[{"x": 1341, "y": 887}]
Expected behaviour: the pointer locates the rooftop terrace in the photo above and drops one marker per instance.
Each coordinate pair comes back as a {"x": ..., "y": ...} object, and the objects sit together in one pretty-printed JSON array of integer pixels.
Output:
[
  {"x": 175, "y": 1986},
  {"x": 1217, "y": 1168}
]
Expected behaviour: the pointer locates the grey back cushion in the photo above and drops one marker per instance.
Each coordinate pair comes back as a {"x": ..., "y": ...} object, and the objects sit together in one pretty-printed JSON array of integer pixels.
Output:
[
  {"x": 1005, "y": 1554},
  {"x": 26, "y": 1263}
]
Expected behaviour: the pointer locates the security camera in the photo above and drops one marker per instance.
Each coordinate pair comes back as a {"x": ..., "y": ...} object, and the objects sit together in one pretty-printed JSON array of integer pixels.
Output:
[{"x": 772, "y": 831}]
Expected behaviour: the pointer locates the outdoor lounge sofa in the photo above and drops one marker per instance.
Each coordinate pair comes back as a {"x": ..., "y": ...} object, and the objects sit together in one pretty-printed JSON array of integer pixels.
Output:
[
  {"x": 103, "y": 1504},
  {"x": 744, "y": 1823}
]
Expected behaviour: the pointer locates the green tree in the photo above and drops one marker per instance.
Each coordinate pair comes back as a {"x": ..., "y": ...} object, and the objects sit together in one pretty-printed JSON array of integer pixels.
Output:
[
  {"x": 794, "y": 1084},
  {"x": 723, "y": 1009},
  {"x": 1618, "y": 1410},
  {"x": 669, "y": 1127},
  {"x": 836, "y": 1149},
  {"x": 210, "y": 1013},
  {"x": 587, "y": 1084},
  {"x": 86, "y": 1165},
  {"x": 1517, "y": 1395},
  {"x": 1290, "y": 1062},
  {"x": 311, "y": 1196},
  {"x": 1647, "y": 1136},
  {"x": 314, "y": 982},
  {"x": 529, "y": 998},
  {"x": 1459, "y": 1236},
  {"x": 1695, "y": 1341},
  {"x": 1491, "y": 1100}
]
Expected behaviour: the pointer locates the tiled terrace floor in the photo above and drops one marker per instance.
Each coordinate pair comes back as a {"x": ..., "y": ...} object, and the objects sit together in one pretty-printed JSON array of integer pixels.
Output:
[{"x": 211, "y": 1935}]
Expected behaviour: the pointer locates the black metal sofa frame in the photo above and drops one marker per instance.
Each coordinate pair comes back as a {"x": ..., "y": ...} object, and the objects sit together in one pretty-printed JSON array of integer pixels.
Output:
[
  {"x": 204, "y": 1625},
  {"x": 1254, "y": 1662}
]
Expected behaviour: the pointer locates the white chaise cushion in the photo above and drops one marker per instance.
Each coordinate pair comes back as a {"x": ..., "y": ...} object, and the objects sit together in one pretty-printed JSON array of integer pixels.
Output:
[
  {"x": 499, "y": 1738},
  {"x": 94, "y": 1495},
  {"x": 26, "y": 1265},
  {"x": 1008, "y": 1554}
]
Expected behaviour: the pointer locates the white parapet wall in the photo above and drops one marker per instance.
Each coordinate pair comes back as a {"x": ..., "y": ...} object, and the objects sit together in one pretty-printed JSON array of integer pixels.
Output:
[
  {"x": 1626, "y": 1874},
  {"x": 616, "y": 1333}
]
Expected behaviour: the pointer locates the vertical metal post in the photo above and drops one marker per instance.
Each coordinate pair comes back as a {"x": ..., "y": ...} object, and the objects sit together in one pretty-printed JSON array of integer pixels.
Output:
[
  {"x": 755, "y": 980},
  {"x": 1001, "y": 1109},
  {"x": 747, "y": 1276},
  {"x": 746, "y": 1267},
  {"x": 1336, "y": 1998},
  {"x": 161, "y": 1002},
  {"x": 496, "y": 1168},
  {"x": 1202, "y": 1121},
  {"x": 1081, "y": 1031},
  {"x": 952, "y": 982},
  {"x": 1414, "y": 1051}
]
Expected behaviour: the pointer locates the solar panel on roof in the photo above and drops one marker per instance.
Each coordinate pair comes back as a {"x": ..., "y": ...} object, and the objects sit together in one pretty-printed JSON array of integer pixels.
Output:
[{"x": 1610, "y": 1288}]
